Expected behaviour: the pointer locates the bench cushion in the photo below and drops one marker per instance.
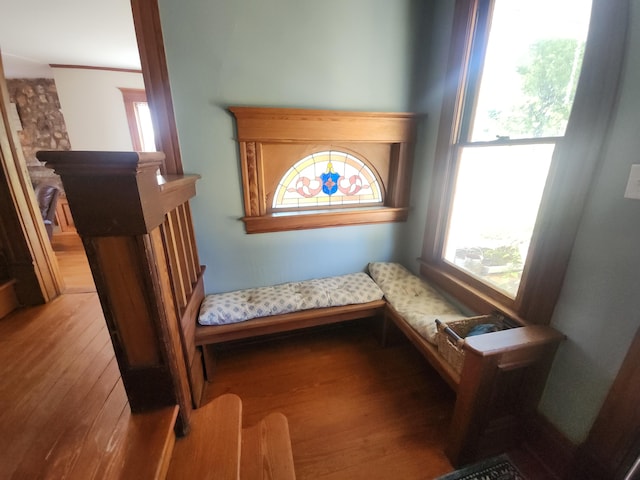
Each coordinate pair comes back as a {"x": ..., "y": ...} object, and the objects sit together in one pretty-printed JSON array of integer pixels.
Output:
[
  {"x": 240, "y": 305},
  {"x": 413, "y": 298}
]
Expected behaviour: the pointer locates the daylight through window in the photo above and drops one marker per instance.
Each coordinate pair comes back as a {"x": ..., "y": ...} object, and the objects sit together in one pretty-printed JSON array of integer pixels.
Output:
[{"x": 515, "y": 109}]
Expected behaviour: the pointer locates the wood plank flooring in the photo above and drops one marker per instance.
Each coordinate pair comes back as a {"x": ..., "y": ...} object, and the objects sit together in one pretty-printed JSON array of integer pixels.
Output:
[
  {"x": 355, "y": 410},
  {"x": 63, "y": 409},
  {"x": 73, "y": 263}
]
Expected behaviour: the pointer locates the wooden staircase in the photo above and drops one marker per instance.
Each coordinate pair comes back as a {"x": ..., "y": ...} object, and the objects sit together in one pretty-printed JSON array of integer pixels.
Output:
[
  {"x": 218, "y": 448},
  {"x": 141, "y": 248}
]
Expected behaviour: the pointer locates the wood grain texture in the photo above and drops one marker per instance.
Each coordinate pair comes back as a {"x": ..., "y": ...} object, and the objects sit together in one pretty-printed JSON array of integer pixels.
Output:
[
  {"x": 211, "y": 334},
  {"x": 266, "y": 450},
  {"x": 355, "y": 410},
  {"x": 212, "y": 448},
  {"x": 334, "y": 218},
  {"x": 273, "y": 139},
  {"x": 64, "y": 412},
  {"x": 146, "y": 20},
  {"x": 299, "y": 125},
  {"x": 248, "y": 149}
]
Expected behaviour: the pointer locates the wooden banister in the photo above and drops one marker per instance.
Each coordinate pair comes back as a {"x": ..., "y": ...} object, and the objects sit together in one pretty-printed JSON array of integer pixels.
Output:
[{"x": 137, "y": 231}]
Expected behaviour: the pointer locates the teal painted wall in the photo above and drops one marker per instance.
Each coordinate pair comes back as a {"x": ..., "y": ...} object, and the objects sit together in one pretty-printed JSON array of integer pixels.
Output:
[
  {"x": 599, "y": 309},
  {"x": 333, "y": 54}
]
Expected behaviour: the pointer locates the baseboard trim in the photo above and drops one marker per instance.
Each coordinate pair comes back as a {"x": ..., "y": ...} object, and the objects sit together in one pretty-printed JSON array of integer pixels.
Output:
[
  {"x": 550, "y": 446},
  {"x": 8, "y": 298}
]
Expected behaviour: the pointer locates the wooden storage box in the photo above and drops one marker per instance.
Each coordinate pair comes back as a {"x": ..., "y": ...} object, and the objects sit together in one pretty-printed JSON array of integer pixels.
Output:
[{"x": 452, "y": 349}]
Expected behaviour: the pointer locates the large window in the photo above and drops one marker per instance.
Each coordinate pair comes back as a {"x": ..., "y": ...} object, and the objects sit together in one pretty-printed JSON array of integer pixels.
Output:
[{"x": 516, "y": 64}]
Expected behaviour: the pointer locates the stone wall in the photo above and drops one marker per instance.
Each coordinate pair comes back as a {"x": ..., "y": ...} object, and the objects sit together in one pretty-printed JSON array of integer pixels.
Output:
[{"x": 43, "y": 126}]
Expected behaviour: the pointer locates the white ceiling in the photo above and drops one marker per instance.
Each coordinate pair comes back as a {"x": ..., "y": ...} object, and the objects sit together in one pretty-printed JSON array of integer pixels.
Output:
[{"x": 36, "y": 33}]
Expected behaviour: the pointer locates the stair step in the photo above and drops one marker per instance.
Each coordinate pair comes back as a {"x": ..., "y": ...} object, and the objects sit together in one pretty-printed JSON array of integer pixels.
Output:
[
  {"x": 212, "y": 449},
  {"x": 144, "y": 451},
  {"x": 266, "y": 450}
]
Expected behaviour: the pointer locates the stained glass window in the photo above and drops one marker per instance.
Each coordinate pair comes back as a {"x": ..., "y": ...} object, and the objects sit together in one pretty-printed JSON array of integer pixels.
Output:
[{"x": 330, "y": 178}]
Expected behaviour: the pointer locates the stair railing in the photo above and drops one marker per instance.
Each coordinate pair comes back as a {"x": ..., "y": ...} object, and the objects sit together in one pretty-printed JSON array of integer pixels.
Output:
[{"x": 138, "y": 234}]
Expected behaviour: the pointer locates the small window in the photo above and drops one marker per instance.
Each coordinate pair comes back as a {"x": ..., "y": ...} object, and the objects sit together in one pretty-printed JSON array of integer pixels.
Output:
[
  {"x": 139, "y": 120},
  {"x": 327, "y": 179},
  {"x": 316, "y": 168}
]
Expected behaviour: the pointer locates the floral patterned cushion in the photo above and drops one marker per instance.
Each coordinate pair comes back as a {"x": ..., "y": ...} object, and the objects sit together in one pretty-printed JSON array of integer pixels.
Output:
[
  {"x": 233, "y": 307},
  {"x": 413, "y": 298}
]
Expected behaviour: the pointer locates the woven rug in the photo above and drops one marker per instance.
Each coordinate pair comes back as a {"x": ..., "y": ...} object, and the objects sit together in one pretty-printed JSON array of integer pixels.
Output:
[{"x": 496, "y": 468}]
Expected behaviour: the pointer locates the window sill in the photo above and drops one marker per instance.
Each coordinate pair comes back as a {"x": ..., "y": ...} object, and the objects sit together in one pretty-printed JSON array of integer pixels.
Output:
[
  {"x": 473, "y": 297},
  {"x": 279, "y": 222}
]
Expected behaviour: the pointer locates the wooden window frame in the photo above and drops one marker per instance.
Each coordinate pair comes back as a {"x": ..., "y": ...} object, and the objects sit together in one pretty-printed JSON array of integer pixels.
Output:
[
  {"x": 261, "y": 128},
  {"x": 574, "y": 162},
  {"x": 131, "y": 96}
]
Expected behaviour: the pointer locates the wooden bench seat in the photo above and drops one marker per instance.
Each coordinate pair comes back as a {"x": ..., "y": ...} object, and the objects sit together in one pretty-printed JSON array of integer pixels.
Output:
[
  {"x": 207, "y": 336},
  {"x": 212, "y": 334}
]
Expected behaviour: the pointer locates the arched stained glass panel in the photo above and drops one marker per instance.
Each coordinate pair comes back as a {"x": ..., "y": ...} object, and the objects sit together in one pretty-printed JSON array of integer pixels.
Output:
[{"x": 330, "y": 178}]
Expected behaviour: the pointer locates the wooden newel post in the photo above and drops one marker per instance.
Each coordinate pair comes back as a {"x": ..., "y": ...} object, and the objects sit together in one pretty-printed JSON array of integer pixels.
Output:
[{"x": 119, "y": 207}]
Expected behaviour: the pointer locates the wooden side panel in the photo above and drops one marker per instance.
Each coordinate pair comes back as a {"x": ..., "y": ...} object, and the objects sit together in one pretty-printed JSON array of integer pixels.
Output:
[
  {"x": 122, "y": 282},
  {"x": 500, "y": 385},
  {"x": 613, "y": 443}
]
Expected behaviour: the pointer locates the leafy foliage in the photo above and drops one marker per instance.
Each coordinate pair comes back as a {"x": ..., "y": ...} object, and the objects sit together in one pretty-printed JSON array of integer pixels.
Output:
[{"x": 549, "y": 81}]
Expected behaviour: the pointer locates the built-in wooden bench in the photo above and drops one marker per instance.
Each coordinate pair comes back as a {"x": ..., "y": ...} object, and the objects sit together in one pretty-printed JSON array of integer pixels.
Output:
[
  {"x": 499, "y": 387},
  {"x": 208, "y": 336}
]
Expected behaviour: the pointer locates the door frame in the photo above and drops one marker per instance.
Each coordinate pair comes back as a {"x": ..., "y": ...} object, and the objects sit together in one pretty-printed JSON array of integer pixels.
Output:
[{"x": 39, "y": 273}]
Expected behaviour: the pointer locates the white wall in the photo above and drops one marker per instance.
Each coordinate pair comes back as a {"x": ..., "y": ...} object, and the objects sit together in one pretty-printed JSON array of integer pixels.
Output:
[
  {"x": 93, "y": 108},
  {"x": 332, "y": 54}
]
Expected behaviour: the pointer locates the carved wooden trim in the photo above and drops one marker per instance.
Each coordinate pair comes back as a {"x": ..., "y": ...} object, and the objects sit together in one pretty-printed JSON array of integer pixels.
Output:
[
  {"x": 252, "y": 176},
  {"x": 260, "y": 129},
  {"x": 146, "y": 19}
]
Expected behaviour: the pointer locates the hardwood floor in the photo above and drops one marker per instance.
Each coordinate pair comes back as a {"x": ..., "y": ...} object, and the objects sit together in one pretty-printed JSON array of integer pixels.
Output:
[
  {"x": 355, "y": 410},
  {"x": 73, "y": 263},
  {"x": 63, "y": 409}
]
